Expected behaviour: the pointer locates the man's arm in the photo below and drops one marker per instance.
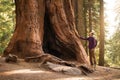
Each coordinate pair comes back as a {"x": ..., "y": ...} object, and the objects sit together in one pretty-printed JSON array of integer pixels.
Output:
[{"x": 83, "y": 38}]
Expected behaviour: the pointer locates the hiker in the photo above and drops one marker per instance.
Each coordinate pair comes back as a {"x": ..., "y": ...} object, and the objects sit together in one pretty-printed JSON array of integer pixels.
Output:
[{"x": 92, "y": 44}]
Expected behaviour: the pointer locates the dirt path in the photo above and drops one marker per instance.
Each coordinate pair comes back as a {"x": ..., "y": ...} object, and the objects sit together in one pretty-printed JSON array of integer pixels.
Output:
[{"x": 32, "y": 71}]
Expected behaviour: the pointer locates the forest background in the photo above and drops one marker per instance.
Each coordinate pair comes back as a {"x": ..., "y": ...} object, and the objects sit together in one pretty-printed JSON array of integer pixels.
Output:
[{"x": 90, "y": 15}]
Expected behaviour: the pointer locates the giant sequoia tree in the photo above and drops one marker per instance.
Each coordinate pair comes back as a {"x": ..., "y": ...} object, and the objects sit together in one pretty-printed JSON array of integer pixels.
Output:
[{"x": 46, "y": 26}]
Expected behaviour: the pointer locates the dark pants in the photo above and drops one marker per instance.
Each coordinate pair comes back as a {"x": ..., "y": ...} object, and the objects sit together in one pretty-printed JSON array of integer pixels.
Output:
[{"x": 92, "y": 57}]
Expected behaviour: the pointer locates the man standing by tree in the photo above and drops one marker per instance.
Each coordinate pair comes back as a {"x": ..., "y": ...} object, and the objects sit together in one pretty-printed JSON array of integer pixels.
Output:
[{"x": 92, "y": 44}]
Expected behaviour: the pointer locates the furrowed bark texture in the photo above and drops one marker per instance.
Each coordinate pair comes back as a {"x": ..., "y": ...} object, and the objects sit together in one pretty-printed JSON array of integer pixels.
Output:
[
  {"x": 28, "y": 36},
  {"x": 46, "y": 26},
  {"x": 63, "y": 23}
]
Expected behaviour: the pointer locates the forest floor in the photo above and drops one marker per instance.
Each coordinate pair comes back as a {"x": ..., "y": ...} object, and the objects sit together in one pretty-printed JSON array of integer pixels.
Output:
[{"x": 32, "y": 71}]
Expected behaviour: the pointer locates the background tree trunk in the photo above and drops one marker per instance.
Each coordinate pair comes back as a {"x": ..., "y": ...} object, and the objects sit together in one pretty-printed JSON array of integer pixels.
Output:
[
  {"x": 102, "y": 35},
  {"x": 78, "y": 6},
  {"x": 46, "y": 26},
  {"x": 90, "y": 15}
]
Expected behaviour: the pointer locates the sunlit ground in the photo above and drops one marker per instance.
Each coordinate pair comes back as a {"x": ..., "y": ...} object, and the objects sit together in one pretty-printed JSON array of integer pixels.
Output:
[{"x": 23, "y": 71}]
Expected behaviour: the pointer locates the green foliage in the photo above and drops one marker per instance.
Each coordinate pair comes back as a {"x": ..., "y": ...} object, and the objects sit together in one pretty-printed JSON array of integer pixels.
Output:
[
  {"x": 7, "y": 15},
  {"x": 95, "y": 15},
  {"x": 113, "y": 54},
  {"x": 113, "y": 46}
]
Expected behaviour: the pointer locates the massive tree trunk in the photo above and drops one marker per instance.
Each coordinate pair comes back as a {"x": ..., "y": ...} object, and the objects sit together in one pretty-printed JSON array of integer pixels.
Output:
[
  {"x": 28, "y": 36},
  {"x": 46, "y": 26}
]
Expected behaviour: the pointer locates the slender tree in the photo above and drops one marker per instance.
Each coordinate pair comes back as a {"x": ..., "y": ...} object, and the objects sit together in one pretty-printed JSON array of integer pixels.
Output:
[
  {"x": 90, "y": 15},
  {"x": 79, "y": 18},
  {"x": 102, "y": 35}
]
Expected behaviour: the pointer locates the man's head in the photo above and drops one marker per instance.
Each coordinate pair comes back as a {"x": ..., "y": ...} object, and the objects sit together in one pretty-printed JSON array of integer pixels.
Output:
[{"x": 91, "y": 33}]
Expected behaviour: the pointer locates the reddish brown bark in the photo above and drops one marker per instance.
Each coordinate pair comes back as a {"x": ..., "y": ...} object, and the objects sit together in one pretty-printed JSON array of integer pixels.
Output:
[
  {"x": 63, "y": 23},
  {"x": 51, "y": 19},
  {"x": 28, "y": 36}
]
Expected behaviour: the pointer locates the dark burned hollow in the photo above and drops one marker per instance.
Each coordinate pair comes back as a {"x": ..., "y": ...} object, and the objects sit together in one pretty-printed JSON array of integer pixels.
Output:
[{"x": 52, "y": 45}]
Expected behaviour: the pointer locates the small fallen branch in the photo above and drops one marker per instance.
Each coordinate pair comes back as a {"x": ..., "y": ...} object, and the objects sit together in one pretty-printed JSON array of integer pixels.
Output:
[{"x": 11, "y": 58}]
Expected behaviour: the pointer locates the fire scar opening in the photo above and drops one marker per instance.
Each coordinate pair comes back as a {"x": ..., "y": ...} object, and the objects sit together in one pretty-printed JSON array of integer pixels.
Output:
[{"x": 52, "y": 45}]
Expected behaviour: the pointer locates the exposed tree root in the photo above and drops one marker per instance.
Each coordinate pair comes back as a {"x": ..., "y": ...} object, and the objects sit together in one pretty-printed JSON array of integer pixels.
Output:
[{"x": 43, "y": 58}]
